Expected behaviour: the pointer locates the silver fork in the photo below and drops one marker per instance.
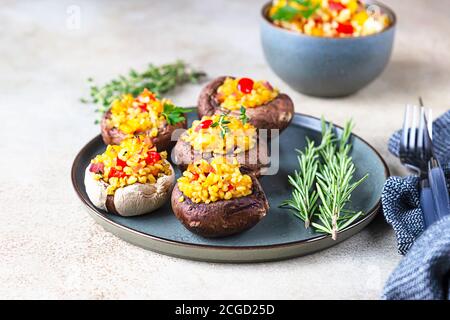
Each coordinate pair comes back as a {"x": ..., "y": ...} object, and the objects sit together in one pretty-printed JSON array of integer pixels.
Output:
[
  {"x": 416, "y": 153},
  {"x": 415, "y": 145}
]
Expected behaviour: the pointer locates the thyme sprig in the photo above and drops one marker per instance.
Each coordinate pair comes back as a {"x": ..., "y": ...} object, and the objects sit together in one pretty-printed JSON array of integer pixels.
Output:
[
  {"x": 222, "y": 123},
  {"x": 158, "y": 79},
  {"x": 324, "y": 184},
  {"x": 243, "y": 115}
]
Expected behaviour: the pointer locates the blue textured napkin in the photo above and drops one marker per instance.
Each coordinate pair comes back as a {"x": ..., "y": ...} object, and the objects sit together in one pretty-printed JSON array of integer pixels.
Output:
[
  {"x": 401, "y": 208},
  {"x": 401, "y": 197},
  {"x": 424, "y": 272}
]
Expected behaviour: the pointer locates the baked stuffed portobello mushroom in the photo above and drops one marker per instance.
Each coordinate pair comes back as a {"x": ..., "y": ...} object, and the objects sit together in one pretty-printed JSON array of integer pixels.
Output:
[
  {"x": 215, "y": 199},
  {"x": 143, "y": 115},
  {"x": 130, "y": 179},
  {"x": 266, "y": 107},
  {"x": 219, "y": 135}
]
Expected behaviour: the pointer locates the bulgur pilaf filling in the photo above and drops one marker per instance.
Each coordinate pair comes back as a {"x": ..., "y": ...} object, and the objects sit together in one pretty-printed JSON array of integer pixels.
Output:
[
  {"x": 137, "y": 115},
  {"x": 135, "y": 160},
  {"x": 234, "y": 93},
  {"x": 221, "y": 134},
  {"x": 209, "y": 182}
]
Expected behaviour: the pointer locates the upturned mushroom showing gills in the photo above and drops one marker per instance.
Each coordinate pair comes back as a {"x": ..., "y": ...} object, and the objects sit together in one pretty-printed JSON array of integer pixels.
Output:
[
  {"x": 218, "y": 135},
  {"x": 145, "y": 114},
  {"x": 215, "y": 199},
  {"x": 265, "y": 106},
  {"x": 130, "y": 179}
]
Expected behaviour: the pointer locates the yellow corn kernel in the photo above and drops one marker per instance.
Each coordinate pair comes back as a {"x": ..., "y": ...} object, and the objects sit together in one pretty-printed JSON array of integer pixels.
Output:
[
  {"x": 142, "y": 179},
  {"x": 128, "y": 170},
  {"x": 132, "y": 180},
  {"x": 151, "y": 178}
]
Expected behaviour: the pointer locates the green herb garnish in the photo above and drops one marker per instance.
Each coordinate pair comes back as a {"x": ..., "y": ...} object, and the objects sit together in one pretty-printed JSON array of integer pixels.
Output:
[
  {"x": 243, "y": 116},
  {"x": 324, "y": 184},
  {"x": 174, "y": 114},
  {"x": 222, "y": 124},
  {"x": 158, "y": 79},
  {"x": 288, "y": 12},
  {"x": 304, "y": 197}
]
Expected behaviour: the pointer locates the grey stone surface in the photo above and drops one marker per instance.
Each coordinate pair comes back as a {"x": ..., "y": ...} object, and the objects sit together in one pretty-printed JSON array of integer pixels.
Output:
[{"x": 51, "y": 248}]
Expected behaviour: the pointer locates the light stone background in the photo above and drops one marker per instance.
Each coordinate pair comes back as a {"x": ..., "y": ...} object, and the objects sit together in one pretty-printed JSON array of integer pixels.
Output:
[{"x": 51, "y": 248}]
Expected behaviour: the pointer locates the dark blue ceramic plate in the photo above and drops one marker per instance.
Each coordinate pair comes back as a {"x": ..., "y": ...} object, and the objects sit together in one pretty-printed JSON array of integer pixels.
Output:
[{"x": 278, "y": 236}]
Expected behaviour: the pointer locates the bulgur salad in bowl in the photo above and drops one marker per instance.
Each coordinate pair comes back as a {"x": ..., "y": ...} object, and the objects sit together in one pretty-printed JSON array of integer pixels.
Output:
[
  {"x": 327, "y": 48},
  {"x": 329, "y": 18}
]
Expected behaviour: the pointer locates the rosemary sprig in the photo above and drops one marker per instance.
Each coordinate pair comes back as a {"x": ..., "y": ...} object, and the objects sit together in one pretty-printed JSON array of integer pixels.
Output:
[
  {"x": 304, "y": 198},
  {"x": 222, "y": 123},
  {"x": 334, "y": 185},
  {"x": 158, "y": 79},
  {"x": 323, "y": 186}
]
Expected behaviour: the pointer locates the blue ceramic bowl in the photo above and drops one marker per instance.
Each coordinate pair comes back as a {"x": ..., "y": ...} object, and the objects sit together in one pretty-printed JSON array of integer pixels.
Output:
[{"x": 326, "y": 67}]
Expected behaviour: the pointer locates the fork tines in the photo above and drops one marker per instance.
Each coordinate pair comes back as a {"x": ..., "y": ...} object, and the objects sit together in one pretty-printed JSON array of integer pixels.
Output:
[{"x": 415, "y": 144}]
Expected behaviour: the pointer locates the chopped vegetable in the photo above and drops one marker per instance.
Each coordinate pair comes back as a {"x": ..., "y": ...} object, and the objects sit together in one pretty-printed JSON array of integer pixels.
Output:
[
  {"x": 205, "y": 124},
  {"x": 245, "y": 85}
]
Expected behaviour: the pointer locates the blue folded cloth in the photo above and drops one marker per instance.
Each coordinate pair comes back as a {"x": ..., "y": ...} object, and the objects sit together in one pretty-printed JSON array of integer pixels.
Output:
[
  {"x": 401, "y": 198},
  {"x": 424, "y": 272},
  {"x": 401, "y": 207}
]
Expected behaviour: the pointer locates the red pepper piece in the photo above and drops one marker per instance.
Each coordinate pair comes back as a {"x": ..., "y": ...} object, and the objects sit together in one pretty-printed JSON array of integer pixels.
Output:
[
  {"x": 245, "y": 85},
  {"x": 230, "y": 187},
  {"x": 97, "y": 167},
  {"x": 116, "y": 173},
  {"x": 152, "y": 157},
  {"x": 205, "y": 124},
  {"x": 196, "y": 175},
  {"x": 143, "y": 107},
  {"x": 334, "y": 5},
  {"x": 121, "y": 163},
  {"x": 345, "y": 28}
]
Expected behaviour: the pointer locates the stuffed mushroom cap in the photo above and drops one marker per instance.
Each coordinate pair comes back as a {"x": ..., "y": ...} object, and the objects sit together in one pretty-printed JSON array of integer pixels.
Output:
[
  {"x": 223, "y": 217},
  {"x": 132, "y": 200},
  {"x": 130, "y": 116},
  {"x": 204, "y": 141},
  {"x": 272, "y": 114},
  {"x": 130, "y": 179},
  {"x": 162, "y": 141}
]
